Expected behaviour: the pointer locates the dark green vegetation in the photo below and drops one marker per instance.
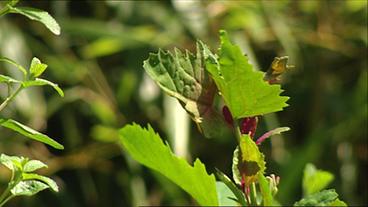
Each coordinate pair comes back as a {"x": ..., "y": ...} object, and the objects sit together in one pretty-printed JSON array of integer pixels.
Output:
[{"x": 97, "y": 60}]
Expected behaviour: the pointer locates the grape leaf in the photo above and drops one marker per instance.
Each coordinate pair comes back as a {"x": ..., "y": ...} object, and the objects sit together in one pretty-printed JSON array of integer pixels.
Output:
[
  {"x": 29, "y": 132},
  {"x": 145, "y": 146},
  {"x": 248, "y": 161},
  {"x": 243, "y": 89},
  {"x": 182, "y": 75}
]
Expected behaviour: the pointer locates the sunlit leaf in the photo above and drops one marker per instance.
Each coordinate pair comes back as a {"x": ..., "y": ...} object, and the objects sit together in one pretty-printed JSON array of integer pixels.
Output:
[
  {"x": 29, "y": 132},
  {"x": 33, "y": 165},
  {"x": 40, "y": 16},
  {"x": 315, "y": 180},
  {"x": 145, "y": 146},
  {"x": 28, "y": 188},
  {"x": 37, "y": 68},
  {"x": 42, "y": 82},
  {"x": 11, "y": 162},
  {"x": 243, "y": 88},
  {"x": 50, "y": 183}
]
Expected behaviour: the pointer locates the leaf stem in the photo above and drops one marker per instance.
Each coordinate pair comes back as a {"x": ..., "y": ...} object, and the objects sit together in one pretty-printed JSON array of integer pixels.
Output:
[
  {"x": 253, "y": 194},
  {"x": 6, "y": 8},
  {"x": 10, "y": 98},
  {"x": 237, "y": 130}
]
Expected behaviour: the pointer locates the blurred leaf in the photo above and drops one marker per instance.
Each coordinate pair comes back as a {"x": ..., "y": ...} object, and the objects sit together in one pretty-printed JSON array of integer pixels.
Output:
[
  {"x": 40, "y": 16},
  {"x": 266, "y": 192},
  {"x": 225, "y": 195},
  {"x": 33, "y": 165},
  {"x": 243, "y": 89},
  {"x": 23, "y": 70},
  {"x": 323, "y": 198},
  {"x": 145, "y": 146},
  {"x": 248, "y": 162},
  {"x": 236, "y": 191},
  {"x": 42, "y": 82},
  {"x": 28, "y": 188},
  {"x": 278, "y": 130},
  {"x": 104, "y": 133},
  {"x": 315, "y": 180},
  {"x": 29, "y": 132},
  {"x": 50, "y": 183},
  {"x": 7, "y": 79},
  {"x": 37, "y": 68}
]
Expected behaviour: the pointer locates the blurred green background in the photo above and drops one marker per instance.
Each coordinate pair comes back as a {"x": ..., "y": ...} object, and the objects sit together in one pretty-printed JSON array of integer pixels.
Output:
[{"x": 98, "y": 59}]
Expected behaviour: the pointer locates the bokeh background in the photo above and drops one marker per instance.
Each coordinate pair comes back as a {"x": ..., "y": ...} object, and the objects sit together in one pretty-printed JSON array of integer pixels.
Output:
[{"x": 98, "y": 59}]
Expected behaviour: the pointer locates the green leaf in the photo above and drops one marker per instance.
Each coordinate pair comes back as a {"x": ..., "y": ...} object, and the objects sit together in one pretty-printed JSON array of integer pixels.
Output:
[
  {"x": 33, "y": 165},
  {"x": 323, "y": 198},
  {"x": 315, "y": 180},
  {"x": 37, "y": 68},
  {"x": 29, "y": 132},
  {"x": 23, "y": 70},
  {"x": 265, "y": 191},
  {"x": 11, "y": 162},
  {"x": 236, "y": 191},
  {"x": 50, "y": 183},
  {"x": 337, "y": 202},
  {"x": 28, "y": 188},
  {"x": 248, "y": 162},
  {"x": 7, "y": 79},
  {"x": 225, "y": 195},
  {"x": 182, "y": 75},
  {"x": 40, "y": 16},
  {"x": 145, "y": 146},
  {"x": 42, "y": 82},
  {"x": 243, "y": 89}
]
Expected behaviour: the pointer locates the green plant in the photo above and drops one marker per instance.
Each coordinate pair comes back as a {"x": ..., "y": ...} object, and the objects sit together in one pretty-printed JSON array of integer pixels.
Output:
[
  {"x": 247, "y": 95},
  {"x": 23, "y": 180}
]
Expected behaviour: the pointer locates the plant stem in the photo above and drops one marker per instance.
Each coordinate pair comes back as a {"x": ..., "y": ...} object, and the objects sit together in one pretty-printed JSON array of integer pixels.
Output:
[
  {"x": 10, "y": 98},
  {"x": 253, "y": 194},
  {"x": 237, "y": 130},
  {"x": 6, "y": 200}
]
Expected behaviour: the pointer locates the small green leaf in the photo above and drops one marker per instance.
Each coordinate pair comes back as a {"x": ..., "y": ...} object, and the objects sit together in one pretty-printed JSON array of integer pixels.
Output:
[
  {"x": 315, "y": 180},
  {"x": 145, "y": 146},
  {"x": 33, "y": 165},
  {"x": 265, "y": 191},
  {"x": 37, "y": 68},
  {"x": 248, "y": 162},
  {"x": 323, "y": 198},
  {"x": 337, "y": 202},
  {"x": 225, "y": 195},
  {"x": 7, "y": 79},
  {"x": 243, "y": 89},
  {"x": 236, "y": 191},
  {"x": 28, "y": 188},
  {"x": 42, "y": 82},
  {"x": 29, "y": 132},
  {"x": 40, "y": 16},
  {"x": 11, "y": 162},
  {"x": 23, "y": 70},
  {"x": 31, "y": 176}
]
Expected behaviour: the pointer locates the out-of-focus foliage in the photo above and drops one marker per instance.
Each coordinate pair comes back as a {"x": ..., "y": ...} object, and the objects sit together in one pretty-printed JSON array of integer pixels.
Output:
[{"x": 97, "y": 60}]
